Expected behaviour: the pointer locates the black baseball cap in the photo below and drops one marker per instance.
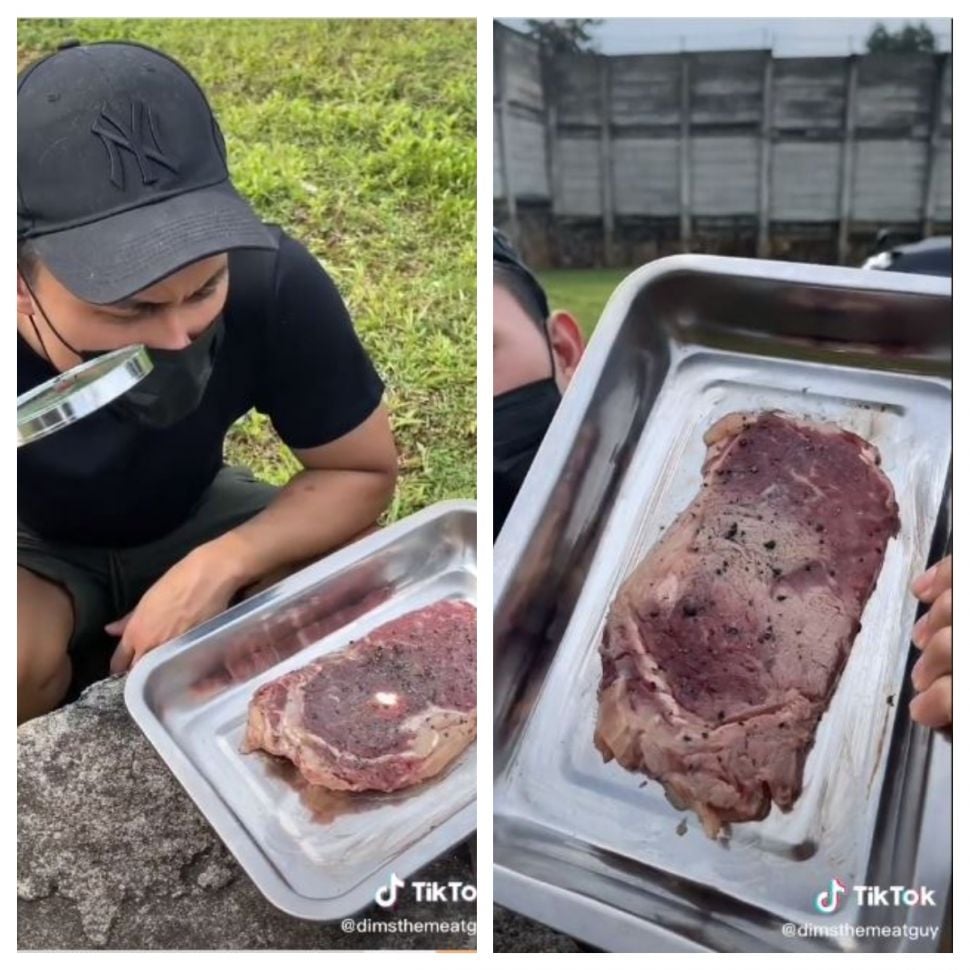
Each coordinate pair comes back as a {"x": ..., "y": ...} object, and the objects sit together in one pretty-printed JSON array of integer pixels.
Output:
[
  {"x": 121, "y": 170},
  {"x": 505, "y": 253}
]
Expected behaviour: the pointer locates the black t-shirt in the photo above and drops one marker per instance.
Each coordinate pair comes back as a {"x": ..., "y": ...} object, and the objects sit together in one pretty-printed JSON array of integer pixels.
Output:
[{"x": 289, "y": 350}]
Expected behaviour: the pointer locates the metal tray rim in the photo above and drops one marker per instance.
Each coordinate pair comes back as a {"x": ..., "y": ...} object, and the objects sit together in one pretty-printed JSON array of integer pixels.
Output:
[{"x": 523, "y": 894}]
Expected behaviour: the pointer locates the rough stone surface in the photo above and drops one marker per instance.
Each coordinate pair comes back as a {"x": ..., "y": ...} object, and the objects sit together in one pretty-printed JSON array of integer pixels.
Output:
[
  {"x": 513, "y": 933},
  {"x": 112, "y": 853}
]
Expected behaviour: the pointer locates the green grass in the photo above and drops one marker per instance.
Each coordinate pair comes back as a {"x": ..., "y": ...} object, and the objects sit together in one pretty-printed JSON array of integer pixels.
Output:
[
  {"x": 583, "y": 292},
  {"x": 358, "y": 136}
]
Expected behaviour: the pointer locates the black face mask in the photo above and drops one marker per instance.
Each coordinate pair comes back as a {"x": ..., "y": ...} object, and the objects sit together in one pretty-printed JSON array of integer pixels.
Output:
[
  {"x": 172, "y": 389},
  {"x": 521, "y": 417}
]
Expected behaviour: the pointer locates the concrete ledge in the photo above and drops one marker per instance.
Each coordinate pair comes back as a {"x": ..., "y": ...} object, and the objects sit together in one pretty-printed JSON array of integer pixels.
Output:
[{"x": 113, "y": 854}]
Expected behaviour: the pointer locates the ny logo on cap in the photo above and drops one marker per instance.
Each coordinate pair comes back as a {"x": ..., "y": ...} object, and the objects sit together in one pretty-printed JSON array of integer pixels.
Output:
[{"x": 140, "y": 138}]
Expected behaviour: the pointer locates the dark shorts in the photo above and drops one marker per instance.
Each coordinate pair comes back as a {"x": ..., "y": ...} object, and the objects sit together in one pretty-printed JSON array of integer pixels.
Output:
[{"x": 105, "y": 584}]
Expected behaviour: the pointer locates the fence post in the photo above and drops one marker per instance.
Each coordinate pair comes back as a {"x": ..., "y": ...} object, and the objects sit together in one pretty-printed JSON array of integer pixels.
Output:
[
  {"x": 847, "y": 168},
  {"x": 503, "y": 125},
  {"x": 548, "y": 75},
  {"x": 764, "y": 174},
  {"x": 685, "y": 186},
  {"x": 606, "y": 160},
  {"x": 933, "y": 147}
]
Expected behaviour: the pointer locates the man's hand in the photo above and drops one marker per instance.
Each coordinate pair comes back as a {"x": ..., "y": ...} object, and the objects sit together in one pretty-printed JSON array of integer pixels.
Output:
[
  {"x": 195, "y": 589},
  {"x": 933, "y": 635}
]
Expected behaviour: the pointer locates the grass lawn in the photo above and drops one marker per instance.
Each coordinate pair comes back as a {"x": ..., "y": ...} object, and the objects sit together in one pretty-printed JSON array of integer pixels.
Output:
[
  {"x": 583, "y": 292},
  {"x": 358, "y": 137}
]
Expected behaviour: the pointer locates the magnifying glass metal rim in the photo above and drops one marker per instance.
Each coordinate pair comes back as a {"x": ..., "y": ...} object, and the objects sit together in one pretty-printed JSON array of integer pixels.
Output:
[{"x": 78, "y": 392}]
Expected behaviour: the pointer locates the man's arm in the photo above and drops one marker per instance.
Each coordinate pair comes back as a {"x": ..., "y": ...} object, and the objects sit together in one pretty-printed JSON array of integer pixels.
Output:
[{"x": 343, "y": 488}]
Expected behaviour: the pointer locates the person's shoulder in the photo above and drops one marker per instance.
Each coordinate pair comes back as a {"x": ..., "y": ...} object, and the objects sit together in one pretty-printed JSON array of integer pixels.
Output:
[
  {"x": 291, "y": 253},
  {"x": 258, "y": 277},
  {"x": 252, "y": 276},
  {"x": 296, "y": 261},
  {"x": 288, "y": 284}
]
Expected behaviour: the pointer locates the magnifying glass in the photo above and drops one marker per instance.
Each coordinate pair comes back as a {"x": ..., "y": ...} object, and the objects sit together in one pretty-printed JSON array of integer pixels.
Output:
[{"x": 78, "y": 392}]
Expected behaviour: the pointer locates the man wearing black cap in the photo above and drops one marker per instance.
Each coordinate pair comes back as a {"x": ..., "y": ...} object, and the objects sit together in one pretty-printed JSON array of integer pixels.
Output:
[
  {"x": 534, "y": 355},
  {"x": 129, "y": 231}
]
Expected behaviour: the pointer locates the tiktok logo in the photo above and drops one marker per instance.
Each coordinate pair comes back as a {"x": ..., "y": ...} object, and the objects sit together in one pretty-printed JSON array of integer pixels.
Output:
[
  {"x": 387, "y": 895},
  {"x": 829, "y": 900}
]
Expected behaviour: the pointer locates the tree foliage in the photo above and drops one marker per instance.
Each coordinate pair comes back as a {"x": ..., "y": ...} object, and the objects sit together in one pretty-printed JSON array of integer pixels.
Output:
[
  {"x": 564, "y": 36},
  {"x": 911, "y": 39}
]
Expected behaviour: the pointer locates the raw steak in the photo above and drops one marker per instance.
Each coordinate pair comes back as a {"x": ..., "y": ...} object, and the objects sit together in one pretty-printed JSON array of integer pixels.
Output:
[
  {"x": 388, "y": 712},
  {"x": 722, "y": 649}
]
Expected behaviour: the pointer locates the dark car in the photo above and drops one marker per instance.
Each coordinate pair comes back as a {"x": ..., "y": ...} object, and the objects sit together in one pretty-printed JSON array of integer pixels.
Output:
[{"x": 933, "y": 256}]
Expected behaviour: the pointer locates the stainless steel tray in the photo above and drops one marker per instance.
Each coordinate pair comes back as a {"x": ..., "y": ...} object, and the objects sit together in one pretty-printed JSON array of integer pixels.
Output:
[
  {"x": 594, "y": 849},
  {"x": 314, "y": 854}
]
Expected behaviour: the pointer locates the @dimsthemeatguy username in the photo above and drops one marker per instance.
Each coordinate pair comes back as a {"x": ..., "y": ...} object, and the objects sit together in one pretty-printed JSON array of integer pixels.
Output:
[{"x": 402, "y": 924}]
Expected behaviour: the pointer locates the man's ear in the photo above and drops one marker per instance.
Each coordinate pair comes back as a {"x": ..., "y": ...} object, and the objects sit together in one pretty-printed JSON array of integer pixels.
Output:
[
  {"x": 567, "y": 345},
  {"x": 25, "y": 302}
]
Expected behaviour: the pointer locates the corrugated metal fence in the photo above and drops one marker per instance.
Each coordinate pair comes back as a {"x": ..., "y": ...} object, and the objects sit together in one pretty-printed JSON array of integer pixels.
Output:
[{"x": 612, "y": 160}]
